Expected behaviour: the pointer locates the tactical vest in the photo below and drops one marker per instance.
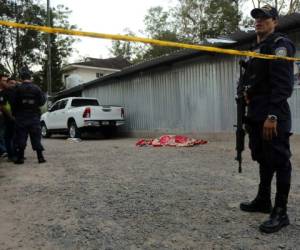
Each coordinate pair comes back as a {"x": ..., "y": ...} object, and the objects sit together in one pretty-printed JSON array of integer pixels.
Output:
[
  {"x": 257, "y": 72},
  {"x": 27, "y": 100}
]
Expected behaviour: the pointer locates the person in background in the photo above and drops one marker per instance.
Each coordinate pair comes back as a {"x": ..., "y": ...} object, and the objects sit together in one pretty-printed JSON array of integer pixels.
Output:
[
  {"x": 9, "y": 92},
  {"x": 12, "y": 82},
  {"x": 28, "y": 100},
  {"x": 3, "y": 81}
]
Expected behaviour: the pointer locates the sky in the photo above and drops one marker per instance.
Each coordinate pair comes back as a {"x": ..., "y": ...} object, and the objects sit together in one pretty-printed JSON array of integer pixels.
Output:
[{"x": 106, "y": 16}]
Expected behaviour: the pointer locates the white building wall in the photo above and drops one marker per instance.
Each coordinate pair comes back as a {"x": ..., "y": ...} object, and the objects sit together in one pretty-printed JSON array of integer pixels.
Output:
[{"x": 81, "y": 75}]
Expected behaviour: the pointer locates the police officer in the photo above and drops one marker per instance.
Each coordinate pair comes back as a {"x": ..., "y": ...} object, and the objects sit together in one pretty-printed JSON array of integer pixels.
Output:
[
  {"x": 3, "y": 81},
  {"x": 270, "y": 84},
  {"x": 28, "y": 99},
  {"x": 8, "y": 92}
]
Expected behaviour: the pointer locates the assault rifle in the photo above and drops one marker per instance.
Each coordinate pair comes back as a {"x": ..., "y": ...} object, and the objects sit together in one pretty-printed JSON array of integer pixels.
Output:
[{"x": 241, "y": 114}]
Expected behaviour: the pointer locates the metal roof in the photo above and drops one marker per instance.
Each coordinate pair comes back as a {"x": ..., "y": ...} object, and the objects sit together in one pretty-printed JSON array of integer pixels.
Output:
[{"x": 111, "y": 63}]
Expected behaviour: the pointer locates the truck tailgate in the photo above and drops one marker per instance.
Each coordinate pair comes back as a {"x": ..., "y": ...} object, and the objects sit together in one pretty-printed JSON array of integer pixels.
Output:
[{"x": 107, "y": 113}]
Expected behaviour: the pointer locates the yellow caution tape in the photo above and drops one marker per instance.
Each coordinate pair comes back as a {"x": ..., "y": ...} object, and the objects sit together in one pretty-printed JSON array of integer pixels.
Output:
[{"x": 145, "y": 40}]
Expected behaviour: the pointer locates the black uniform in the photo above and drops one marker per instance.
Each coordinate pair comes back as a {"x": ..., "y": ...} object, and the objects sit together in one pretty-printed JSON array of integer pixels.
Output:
[
  {"x": 271, "y": 84},
  {"x": 28, "y": 99},
  {"x": 2, "y": 124}
]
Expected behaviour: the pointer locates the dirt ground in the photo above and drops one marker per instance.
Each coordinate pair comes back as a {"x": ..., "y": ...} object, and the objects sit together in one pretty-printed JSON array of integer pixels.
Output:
[{"x": 109, "y": 194}]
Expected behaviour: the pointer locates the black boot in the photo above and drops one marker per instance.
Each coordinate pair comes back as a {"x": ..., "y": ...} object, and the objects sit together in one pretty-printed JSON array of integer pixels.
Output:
[
  {"x": 257, "y": 205},
  {"x": 262, "y": 202},
  {"x": 20, "y": 157},
  {"x": 40, "y": 157},
  {"x": 278, "y": 219}
]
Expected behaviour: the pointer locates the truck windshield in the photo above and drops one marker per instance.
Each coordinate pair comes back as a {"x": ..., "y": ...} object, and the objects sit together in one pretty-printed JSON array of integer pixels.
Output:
[{"x": 84, "y": 102}]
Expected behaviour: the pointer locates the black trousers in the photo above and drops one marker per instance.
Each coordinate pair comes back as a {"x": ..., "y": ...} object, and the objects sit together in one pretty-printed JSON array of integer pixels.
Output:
[
  {"x": 273, "y": 157},
  {"x": 28, "y": 126}
]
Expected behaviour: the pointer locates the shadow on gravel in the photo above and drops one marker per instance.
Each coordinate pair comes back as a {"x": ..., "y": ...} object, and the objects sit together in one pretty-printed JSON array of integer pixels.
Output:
[{"x": 90, "y": 136}]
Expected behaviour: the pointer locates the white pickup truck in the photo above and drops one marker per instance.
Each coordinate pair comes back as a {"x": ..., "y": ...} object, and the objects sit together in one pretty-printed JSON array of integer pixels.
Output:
[{"x": 75, "y": 115}]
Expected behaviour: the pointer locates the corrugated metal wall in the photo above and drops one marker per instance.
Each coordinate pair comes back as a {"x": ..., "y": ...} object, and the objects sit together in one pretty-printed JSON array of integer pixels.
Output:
[
  {"x": 187, "y": 97},
  {"x": 295, "y": 108},
  {"x": 193, "y": 97},
  {"x": 295, "y": 99},
  {"x": 190, "y": 97}
]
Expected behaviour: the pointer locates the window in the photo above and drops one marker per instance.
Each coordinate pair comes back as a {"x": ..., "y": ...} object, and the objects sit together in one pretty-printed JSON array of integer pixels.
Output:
[
  {"x": 54, "y": 107},
  {"x": 59, "y": 105},
  {"x": 84, "y": 102},
  {"x": 98, "y": 75},
  {"x": 63, "y": 104}
]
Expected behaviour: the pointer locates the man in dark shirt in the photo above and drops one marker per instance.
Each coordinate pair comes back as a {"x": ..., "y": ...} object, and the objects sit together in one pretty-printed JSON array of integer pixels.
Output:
[
  {"x": 3, "y": 81},
  {"x": 28, "y": 99},
  {"x": 9, "y": 121},
  {"x": 269, "y": 85}
]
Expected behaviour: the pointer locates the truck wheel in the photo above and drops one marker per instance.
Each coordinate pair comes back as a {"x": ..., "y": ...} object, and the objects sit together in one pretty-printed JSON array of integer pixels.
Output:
[
  {"x": 74, "y": 132},
  {"x": 45, "y": 131}
]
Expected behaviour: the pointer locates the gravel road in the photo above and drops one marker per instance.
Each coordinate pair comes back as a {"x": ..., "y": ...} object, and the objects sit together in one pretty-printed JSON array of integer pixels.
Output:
[{"x": 109, "y": 194}]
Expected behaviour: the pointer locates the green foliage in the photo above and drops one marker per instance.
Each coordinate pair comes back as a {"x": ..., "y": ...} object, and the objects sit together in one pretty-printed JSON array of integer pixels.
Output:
[
  {"x": 193, "y": 21},
  {"x": 201, "y": 19},
  {"x": 19, "y": 46},
  {"x": 3, "y": 70},
  {"x": 160, "y": 26},
  {"x": 284, "y": 7},
  {"x": 123, "y": 49},
  {"x": 190, "y": 21}
]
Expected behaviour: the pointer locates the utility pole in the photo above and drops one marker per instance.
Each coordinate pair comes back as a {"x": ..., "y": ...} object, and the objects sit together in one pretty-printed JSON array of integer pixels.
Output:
[
  {"x": 49, "y": 75},
  {"x": 17, "y": 62}
]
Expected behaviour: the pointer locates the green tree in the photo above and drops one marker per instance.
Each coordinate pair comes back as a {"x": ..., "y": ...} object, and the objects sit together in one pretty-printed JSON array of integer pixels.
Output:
[
  {"x": 190, "y": 21},
  {"x": 122, "y": 48},
  {"x": 29, "y": 47},
  {"x": 201, "y": 19},
  {"x": 20, "y": 46},
  {"x": 56, "y": 64},
  {"x": 285, "y": 7},
  {"x": 133, "y": 52},
  {"x": 61, "y": 48},
  {"x": 160, "y": 25}
]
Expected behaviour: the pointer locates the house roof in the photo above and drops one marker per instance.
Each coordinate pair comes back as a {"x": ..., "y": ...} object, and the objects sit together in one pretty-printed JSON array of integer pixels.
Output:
[
  {"x": 286, "y": 24},
  {"x": 110, "y": 63}
]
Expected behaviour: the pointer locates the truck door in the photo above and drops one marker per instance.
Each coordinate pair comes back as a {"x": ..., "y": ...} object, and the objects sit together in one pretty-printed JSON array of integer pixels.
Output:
[
  {"x": 61, "y": 117},
  {"x": 51, "y": 117}
]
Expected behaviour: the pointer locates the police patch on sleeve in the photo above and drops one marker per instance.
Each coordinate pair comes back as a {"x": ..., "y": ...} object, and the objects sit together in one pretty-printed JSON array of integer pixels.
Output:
[{"x": 281, "y": 51}]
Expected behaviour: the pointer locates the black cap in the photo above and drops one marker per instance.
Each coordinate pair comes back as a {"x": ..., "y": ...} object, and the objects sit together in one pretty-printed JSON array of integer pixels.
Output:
[
  {"x": 25, "y": 73},
  {"x": 266, "y": 10}
]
